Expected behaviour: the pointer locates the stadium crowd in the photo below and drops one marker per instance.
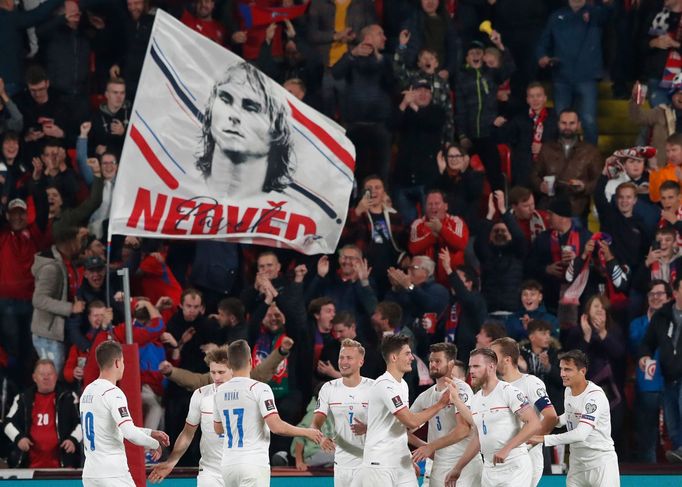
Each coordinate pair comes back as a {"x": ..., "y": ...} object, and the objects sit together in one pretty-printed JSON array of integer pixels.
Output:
[{"x": 481, "y": 210}]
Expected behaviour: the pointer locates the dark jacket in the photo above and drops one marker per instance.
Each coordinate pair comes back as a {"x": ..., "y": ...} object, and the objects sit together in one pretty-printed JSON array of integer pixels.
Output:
[
  {"x": 134, "y": 48},
  {"x": 659, "y": 337},
  {"x": 575, "y": 39},
  {"x": 501, "y": 266},
  {"x": 515, "y": 327},
  {"x": 101, "y": 127},
  {"x": 551, "y": 377},
  {"x": 463, "y": 194},
  {"x": 473, "y": 313},
  {"x": 66, "y": 422},
  {"x": 476, "y": 95},
  {"x": 67, "y": 53},
  {"x": 448, "y": 52}
]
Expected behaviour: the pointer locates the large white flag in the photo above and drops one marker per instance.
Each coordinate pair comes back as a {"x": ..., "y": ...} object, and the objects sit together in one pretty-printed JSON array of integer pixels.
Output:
[{"x": 215, "y": 149}]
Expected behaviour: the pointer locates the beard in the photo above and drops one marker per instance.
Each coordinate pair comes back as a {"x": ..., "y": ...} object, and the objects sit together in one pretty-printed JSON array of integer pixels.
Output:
[
  {"x": 436, "y": 374},
  {"x": 569, "y": 134}
]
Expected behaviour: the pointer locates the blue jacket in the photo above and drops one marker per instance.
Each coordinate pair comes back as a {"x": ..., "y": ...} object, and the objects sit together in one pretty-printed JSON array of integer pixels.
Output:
[
  {"x": 638, "y": 328},
  {"x": 515, "y": 327},
  {"x": 575, "y": 39}
]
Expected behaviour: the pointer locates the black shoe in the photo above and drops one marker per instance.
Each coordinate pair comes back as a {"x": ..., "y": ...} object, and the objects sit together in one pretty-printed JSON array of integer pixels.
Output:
[{"x": 674, "y": 456}]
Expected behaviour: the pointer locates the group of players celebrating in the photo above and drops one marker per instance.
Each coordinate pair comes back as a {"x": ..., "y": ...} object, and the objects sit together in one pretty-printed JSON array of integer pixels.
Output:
[{"x": 490, "y": 438}]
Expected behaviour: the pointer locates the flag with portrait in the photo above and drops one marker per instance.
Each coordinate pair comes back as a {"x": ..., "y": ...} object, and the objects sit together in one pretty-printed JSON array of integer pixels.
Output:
[{"x": 215, "y": 149}]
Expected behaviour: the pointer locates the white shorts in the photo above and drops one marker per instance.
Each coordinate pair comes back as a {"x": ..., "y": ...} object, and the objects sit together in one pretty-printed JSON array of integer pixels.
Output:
[
  {"x": 345, "y": 476},
  {"x": 387, "y": 477},
  {"x": 517, "y": 472},
  {"x": 209, "y": 478},
  {"x": 126, "y": 481},
  {"x": 470, "y": 476},
  {"x": 606, "y": 475},
  {"x": 538, "y": 461},
  {"x": 245, "y": 475}
]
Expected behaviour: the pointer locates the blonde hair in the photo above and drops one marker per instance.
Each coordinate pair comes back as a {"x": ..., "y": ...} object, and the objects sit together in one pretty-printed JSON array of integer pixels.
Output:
[{"x": 350, "y": 343}]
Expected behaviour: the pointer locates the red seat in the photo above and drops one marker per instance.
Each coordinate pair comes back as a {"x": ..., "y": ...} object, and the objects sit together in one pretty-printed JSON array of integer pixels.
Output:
[
  {"x": 505, "y": 160},
  {"x": 96, "y": 101}
]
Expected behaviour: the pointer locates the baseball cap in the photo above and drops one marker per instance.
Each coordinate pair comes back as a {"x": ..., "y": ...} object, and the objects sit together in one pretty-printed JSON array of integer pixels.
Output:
[
  {"x": 17, "y": 203},
  {"x": 94, "y": 262},
  {"x": 421, "y": 83}
]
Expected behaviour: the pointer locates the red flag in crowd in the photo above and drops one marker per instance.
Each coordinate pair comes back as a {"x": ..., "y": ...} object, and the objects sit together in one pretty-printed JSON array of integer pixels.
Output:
[{"x": 255, "y": 16}]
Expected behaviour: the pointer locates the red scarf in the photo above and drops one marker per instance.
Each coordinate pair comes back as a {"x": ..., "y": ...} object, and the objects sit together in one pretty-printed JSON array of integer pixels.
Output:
[
  {"x": 573, "y": 240},
  {"x": 538, "y": 126}
]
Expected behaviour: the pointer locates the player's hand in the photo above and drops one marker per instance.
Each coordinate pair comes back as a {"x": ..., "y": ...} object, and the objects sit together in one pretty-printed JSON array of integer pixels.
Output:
[
  {"x": 328, "y": 445},
  {"x": 422, "y": 453},
  {"x": 500, "y": 456},
  {"x": 301, "y": 466},
  {"x": 452, "y": 477},
  {"x": 315, "y": 435},
  {"x": 166, "y": 367},
  {"x": 24, "y": 444},
  {"x": 536, "y": 440},
  {"x": 161, "y": 437},
  {"x": 68, "y": 446},
  {"x": 358, "y": 427},
  {"x": 156, "y": 454},
  {"x": 444, "y": 400},
  {"x": 160, "y": 472}
]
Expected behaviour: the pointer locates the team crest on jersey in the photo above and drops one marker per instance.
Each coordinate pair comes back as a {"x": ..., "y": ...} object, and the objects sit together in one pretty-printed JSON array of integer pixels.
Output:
[
  {"x": 541, "y": 392},
  {"x": 521, "y": 397},
  {"x": 590, "y": 407},
  {"x": 397, "y": 402},
  {"x": 463, "y": 396},
  {"x": 270, "y": 405},
  {"x": 123, "y": 411}
]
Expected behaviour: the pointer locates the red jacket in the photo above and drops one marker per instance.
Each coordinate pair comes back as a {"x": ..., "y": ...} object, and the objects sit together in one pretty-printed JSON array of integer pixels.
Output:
[
  {"x": 17, "y": 250},
  {"x": 154, "y": 280},
  {"x": 454, "y": 235}
]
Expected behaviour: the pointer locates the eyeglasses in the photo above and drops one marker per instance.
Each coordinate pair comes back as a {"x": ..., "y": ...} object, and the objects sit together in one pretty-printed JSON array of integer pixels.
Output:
[
  {"x": 414, "y": 267},
  {"x": 657, "y": 294},
  {"x": 458, "y": 156}
]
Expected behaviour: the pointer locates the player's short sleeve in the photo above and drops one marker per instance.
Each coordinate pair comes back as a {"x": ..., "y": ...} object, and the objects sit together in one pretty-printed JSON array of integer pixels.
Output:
[
  {"x": 391, "y": 396},
  {"x": 194, "y": 412},
  {"x": 596, "y": 403},
  {"x": 217, "y": 415},
  {"x": 118, "y": 405},
  {"x": 537, "y": 394},
  {"x": 265, "y": 399},
  {"x": 465, "y": 394},
  {"x": 515, "y": 399},
  {"x": 323, "y": 396},
  {"x": 419, "y": 404}
]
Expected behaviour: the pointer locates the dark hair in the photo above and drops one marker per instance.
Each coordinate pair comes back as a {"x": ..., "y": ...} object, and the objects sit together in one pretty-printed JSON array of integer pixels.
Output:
[
  {"x": 239, "y": 354},
  {"x": 538, "y": 325},
  {"x": 315, "y": 306},
  {"x": 667, "y": 185},
  {"x": 461, "y": 365},
  {"x": 372, "y": 177},
  {"x": 578, "y": 357},
  {"x": 531, "y": 284},
  {"x": 217, "y": 355},
  {"x": 519, "y": 194},
  {"x": 390, "y": 311},
  {"x": 96, "y": 304},
  {"x": 233, "y": 306},
  {"x": 449, "y": 349},
  {"x": 676, "y": 282},
  {"x": 36, "y": 74},
  {"x": 667, "y": 230},
  {"x": 345, "y": 318},
  {"x": 190, "y": 291},
  {"x": 509, "y": 348},
  {"x": 454, "y": 145},
  {"x": 535, "y": 84},
  {"x": 393, "y": 344},
  {"x": 437, "y": 191},
  {"x": 494, "y": 329},
  {"x": 107, "y": 352},
  {"x": 660, "y": 282},
  {"x": 280, "y": 163},
  {"x": 570, "y": 110},
  {"x": 674, "y": 139},
  {"x": 606, "y": 304},
  {"x": 10, "y": 135},
  {"x": 470, "y": 274},
  {"x": 66, "y": 235},
  {"x": 486, "y": 352}
]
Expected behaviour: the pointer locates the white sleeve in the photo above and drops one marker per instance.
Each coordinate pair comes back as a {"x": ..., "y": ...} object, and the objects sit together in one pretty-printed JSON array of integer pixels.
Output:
[
  {"x": 595, "y": 405},
  {"x": 266, "y": 400},
  {"x": 418, "y": 404},
  {"x": 579, "y": 433},
  {"x": 562, "y": 421},
  {"x": 323, "y": 399},
  {"x": 516, "y": 400},
  {"x": 538, "y": 395},
  {"x": 194, "y": 412},
  {"x": 391, "y": 397},
  {"x": 10, "y": 430},
  {"x": 465, "y": 394},
  {"x": 137, "y": 435}
]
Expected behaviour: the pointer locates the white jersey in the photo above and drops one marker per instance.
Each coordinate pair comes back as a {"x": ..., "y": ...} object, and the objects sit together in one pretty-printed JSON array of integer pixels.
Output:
[
  {"x": 241, "y": 405},
  {"x": 103, "y": 409},
  {"x": 346, "y": 404},
  {"x": 591, "y": 408},
  {"x": 201, "y": 414},
  {"x": 445, "y": 421},
  {"x": 386, "y": 439},
  {"x": 496, "y": 420}
]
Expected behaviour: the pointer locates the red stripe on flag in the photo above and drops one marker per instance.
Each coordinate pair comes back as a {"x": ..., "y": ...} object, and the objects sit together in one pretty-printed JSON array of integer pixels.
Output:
[
  {"x": 324, "y": 137},
  {"x": 153, "y": 161}
]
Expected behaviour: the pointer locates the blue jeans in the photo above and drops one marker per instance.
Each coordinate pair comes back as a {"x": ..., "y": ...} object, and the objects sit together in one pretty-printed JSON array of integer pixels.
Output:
[
  {"x": 648, "y": 405},
  {"x": 50, "y": 349},
  {"x": 583, "y": 97},
  {"x": 672, "y": 404},
  {"x": 405, "y": 199}
]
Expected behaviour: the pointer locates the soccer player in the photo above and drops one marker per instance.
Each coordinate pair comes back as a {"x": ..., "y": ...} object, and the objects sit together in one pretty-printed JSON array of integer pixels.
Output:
[
  {"x": 448, "y": 434},
  {"x": 593, "y": 461},
  {"x": 106, "y": 421},
  {"x": 386, "y": 459},
  {"x": 507, "y": 351},
  {"x": 346, "y": 399},
  {"x": 244, "y": 411},
  {"x": 201, "y": 414},
  {"x": 496, "y": 410}
]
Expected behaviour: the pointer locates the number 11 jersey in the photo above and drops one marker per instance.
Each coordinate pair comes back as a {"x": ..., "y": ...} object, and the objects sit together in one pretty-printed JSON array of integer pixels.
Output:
[{"x": 241, "y": 405}]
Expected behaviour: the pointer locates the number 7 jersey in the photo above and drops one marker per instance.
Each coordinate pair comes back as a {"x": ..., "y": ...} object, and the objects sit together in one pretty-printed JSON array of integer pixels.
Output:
[{"x": 241, "y": 405}]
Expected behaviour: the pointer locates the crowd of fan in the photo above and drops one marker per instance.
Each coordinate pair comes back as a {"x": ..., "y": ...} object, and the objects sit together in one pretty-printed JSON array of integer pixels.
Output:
[{"x": 440, "y": 242}]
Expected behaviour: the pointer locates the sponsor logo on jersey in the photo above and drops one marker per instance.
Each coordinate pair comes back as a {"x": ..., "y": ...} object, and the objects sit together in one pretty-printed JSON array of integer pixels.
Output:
[
  {"x": 123, "y": 411},
  {"x": 397, "y": 402},
  {"x": 269, "y": 405}
]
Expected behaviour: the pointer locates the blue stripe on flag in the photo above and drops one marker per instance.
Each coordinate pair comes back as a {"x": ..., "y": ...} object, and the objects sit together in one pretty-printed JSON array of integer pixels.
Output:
[
  {"x": 312, "y": 142},
  {"x": 159, "y": 142},
  {"x": 245, "y": 10},
  {"x": 170, "y": 66},
  {"x": 181, "y": 94},
  {"x": 316, "y": 199}
]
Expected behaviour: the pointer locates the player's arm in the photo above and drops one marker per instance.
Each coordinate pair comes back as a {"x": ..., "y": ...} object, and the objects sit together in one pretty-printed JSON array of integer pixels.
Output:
[
  {"x": 280, "y": 427},
  {"x": 162, "y": 470},
  {"x": 596, "y": 405},
  {"x": 414, "y": 421},
  {"x": 531, "y": 426},
  {"x": 457, "y": 434},
  {"x": 472, "y": 449},
  {"x": 414, "y": 440},
  {"x": 118, "y": 408},
  {"x": 580, "y": 433},
  {"x": 548, "y": 420}
]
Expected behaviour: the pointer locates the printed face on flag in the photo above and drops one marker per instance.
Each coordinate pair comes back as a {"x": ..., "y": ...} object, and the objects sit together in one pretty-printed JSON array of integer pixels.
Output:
[{"x": 215, "y": 149}]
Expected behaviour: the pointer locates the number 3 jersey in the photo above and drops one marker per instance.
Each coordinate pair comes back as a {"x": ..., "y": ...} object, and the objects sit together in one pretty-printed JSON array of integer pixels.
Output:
[
  {"x": 346, "y": 404},
  {"x": 104, "y": 408},
  {"x": 241, "y": 405}
]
